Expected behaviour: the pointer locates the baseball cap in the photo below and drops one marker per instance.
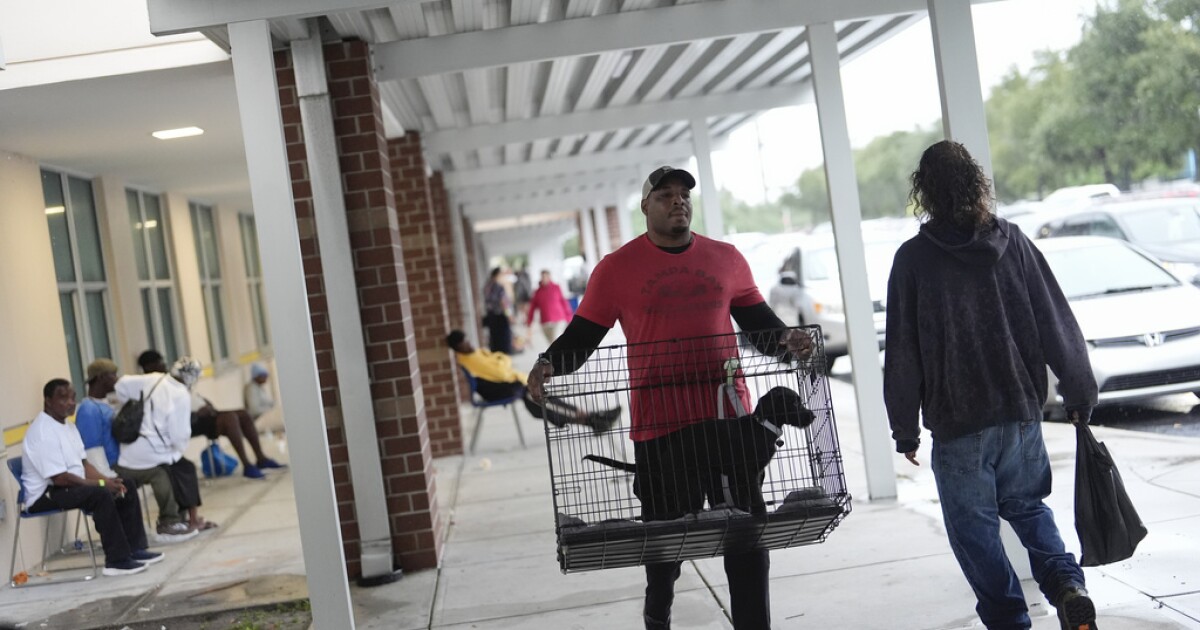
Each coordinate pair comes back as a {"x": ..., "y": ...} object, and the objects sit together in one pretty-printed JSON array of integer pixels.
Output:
[
  {"x": 100, "y": 367},
  {"x": 658, "y": 175}
]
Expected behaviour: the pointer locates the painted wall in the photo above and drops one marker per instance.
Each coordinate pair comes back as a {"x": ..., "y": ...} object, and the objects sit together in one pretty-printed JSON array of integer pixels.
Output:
[{"x": 33, "y": 351}]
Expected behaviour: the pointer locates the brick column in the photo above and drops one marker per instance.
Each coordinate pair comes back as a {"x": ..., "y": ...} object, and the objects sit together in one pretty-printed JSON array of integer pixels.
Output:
[
  {"x": 442, "y": 220},
  {"x": 614, "y": 228},
  {"x": 431, "y": 321},
  {"x": 383, "y": 305}
]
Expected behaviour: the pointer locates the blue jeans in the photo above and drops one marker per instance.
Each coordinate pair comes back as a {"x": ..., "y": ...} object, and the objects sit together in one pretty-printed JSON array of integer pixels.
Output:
[{"x": 1002, "y": 472}]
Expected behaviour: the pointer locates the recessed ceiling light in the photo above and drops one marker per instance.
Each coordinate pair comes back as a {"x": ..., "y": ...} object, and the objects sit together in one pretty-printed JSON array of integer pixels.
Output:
[
  {"x": 55, "y": 210},
  {"x": 182, "y": 132}
]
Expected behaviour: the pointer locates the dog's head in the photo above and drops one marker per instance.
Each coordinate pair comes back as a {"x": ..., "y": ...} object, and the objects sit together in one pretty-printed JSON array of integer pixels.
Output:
[{"x": 782, "y": 406}]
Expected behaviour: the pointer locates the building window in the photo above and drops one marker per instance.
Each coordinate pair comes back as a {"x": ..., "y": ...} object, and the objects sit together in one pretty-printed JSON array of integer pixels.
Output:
[
  {"x": 151, "y": 249},
  {"x": 258, "y": 306},
  {"x": 205, "y": 230},
  {"x": 79, "y": 268}
]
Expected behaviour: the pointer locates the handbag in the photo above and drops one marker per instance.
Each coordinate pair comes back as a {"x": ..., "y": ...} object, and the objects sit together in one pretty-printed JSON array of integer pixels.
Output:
[
  {"x": 215, "y": 462},
  {"x": 127, "y": 423},
  {"x": 1109, "y": 527}
]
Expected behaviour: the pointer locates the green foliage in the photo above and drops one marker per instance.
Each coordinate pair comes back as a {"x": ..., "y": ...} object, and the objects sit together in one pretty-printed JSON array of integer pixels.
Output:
[{"x": 571, "y": 247}]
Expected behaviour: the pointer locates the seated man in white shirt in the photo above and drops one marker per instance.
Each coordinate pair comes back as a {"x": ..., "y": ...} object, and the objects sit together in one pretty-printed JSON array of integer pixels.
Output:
[{"x": 57, "y": 476}]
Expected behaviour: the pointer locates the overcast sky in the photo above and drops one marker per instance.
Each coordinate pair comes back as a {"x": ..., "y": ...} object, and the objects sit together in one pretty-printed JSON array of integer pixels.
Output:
[{"x": 894, "y": 87}]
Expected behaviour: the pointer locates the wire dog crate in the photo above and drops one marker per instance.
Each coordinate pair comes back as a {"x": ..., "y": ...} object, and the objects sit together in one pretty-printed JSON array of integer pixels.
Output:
[{"x": 732, "y": 447}]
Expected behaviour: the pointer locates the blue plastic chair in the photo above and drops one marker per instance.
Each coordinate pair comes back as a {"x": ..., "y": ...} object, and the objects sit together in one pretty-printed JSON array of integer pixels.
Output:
[
  {"x": 480, "y": 405},
  {"x": 15, "y": 465}
]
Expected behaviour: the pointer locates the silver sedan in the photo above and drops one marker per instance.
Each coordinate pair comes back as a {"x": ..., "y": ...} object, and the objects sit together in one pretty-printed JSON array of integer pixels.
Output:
[{"x": 1141, "y": 323}]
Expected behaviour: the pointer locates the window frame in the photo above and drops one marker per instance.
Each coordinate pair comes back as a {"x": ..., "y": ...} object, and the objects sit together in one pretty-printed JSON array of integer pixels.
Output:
[
  {"x": 78, "y": 289},
  {"x": 153, "y": 284},
  {"x": 254, "y": 281},
  {"x": 218, "y": 329}
]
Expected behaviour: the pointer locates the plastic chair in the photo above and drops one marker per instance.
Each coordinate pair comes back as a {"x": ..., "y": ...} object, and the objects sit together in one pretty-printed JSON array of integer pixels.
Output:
[
  {"x": 480, "y": 405},
  {"x": 15, "y": 465}
]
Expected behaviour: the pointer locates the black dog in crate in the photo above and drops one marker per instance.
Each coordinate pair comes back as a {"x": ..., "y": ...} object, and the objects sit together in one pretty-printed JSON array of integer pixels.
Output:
[{"x": 721, "y": 460}]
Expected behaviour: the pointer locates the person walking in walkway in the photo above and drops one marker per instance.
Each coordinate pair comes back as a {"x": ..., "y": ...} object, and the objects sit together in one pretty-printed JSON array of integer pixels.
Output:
[
  {"x": 57, "y": 476},
  {"x": 671, "y": 283},
  {"x": 497, "y": 306},
  {"x": 974, "y": 317},
  {"x": 549, "y": 301}
]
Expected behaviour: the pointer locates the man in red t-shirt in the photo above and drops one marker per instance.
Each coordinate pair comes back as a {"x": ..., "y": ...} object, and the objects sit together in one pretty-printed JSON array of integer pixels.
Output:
[{"x": 670, "y": 283}]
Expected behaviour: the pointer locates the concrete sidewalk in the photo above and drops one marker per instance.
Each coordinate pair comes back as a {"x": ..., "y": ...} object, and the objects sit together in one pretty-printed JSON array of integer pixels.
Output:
[{"x": 887, "y": 566}]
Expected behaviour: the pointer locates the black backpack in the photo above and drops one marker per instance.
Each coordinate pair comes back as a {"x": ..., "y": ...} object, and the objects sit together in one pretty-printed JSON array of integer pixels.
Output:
[{"x": 127, "y": 423}]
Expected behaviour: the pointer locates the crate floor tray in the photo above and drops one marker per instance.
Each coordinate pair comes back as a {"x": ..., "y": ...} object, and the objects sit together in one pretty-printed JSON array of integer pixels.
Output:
[{"x": 630, "y": 543}]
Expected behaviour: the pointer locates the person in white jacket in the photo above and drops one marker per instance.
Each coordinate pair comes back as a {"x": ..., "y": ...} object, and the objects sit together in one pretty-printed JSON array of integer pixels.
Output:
[{"x": 156, "y": 457}]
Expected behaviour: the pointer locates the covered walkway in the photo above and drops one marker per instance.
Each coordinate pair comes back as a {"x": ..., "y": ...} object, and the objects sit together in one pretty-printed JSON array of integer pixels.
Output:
[{"x": 887, "y": 566}]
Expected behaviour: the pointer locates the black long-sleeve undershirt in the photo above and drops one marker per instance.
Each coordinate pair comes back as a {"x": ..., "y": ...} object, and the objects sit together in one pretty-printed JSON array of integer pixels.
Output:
[{"x": 583, "y": 336}]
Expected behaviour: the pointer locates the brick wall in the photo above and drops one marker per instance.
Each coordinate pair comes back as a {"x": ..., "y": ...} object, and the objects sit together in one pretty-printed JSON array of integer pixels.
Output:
[
  {"x": 442, "y": 220},
  {"x": 424, "y": 259},
  {"x": 383, "y": 304}
]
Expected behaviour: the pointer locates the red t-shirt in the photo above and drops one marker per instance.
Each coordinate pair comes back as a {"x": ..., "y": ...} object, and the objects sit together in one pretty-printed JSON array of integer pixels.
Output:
[{"x": 659, "y": 297}]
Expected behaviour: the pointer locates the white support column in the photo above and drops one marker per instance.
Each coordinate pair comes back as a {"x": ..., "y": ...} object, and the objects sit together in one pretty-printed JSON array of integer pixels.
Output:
[
  {"x": 624, "y": 223},
  {"x": 466, "y": 292},
  {"x": 964, "y": 120},
  {"x": 847, "y": 231},
  {"x": 345, "y": 320},
  {"x": 587, "y": 237},
  {"x": 714, "y": 223},
  {"x": 287, "y": 301},
  {"x": 603, "y": 238},
  {"x": 963, "y": 115}
]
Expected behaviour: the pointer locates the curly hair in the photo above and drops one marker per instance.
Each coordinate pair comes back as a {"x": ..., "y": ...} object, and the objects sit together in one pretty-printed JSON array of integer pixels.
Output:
[{"x": 949, "y": 185}]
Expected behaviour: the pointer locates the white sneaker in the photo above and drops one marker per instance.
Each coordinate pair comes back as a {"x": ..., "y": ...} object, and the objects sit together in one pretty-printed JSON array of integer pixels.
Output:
[{"x": 175, "y": 532}]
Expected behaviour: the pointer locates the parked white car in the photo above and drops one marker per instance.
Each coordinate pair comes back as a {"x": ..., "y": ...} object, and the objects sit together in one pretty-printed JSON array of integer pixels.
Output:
[
  {"x": 809, "y": 289},
  {"x": 1141, "y": 323}
]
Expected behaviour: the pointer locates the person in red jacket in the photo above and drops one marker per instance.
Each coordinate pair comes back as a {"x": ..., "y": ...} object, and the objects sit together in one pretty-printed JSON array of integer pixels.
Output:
[{"x": 549, "y": 301}]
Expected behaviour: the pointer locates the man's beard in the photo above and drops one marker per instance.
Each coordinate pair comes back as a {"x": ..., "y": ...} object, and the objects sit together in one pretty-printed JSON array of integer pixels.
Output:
[{"x": 679, "y": 230}]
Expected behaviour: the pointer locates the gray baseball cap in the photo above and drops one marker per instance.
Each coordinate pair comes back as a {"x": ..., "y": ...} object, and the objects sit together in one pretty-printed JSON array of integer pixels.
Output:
[{"x": 665, "y": 173}]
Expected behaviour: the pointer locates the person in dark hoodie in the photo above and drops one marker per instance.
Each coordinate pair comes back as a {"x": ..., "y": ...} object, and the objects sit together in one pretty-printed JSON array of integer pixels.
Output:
[{"x": 974, "y": 317}]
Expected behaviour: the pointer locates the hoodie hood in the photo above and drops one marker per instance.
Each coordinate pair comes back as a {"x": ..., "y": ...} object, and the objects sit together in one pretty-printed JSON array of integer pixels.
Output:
[{"x": 981, "y": 248}]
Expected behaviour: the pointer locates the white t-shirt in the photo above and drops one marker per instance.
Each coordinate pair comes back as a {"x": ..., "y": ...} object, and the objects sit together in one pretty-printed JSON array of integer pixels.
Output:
[
  {"x": 167, "y": 427},
  {"x": 50, "y": 448}
]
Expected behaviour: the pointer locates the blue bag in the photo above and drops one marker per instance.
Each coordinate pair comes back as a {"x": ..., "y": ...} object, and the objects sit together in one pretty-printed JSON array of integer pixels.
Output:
[{"x": 217, "y": 463}]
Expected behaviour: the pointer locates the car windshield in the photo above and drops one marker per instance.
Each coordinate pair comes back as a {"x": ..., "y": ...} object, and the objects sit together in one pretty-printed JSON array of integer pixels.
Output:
[
  {"x": 1164, "y": 225},
  {"x": 821, "y": 264},
  {"x": 1105, "y": 269}
]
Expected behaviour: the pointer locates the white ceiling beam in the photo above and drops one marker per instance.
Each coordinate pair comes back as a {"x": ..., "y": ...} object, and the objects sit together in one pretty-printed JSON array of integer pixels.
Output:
[
  {"x": 558, "y": 184},
  {"x": 565, "y": 166},
  {"x": 466, "y": 138},
  {"x": 549, "y": 203},
  {"x": 627, "y": 30},
  {"x": 182, "y": 16}
]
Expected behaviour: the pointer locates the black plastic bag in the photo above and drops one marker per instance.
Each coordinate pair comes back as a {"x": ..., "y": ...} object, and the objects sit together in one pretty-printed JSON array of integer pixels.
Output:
[{"x": 1109, "y": 527}]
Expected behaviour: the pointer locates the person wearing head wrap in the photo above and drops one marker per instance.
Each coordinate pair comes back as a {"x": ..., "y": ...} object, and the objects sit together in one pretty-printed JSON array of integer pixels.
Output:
[{"x": 258, "y": 397}]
